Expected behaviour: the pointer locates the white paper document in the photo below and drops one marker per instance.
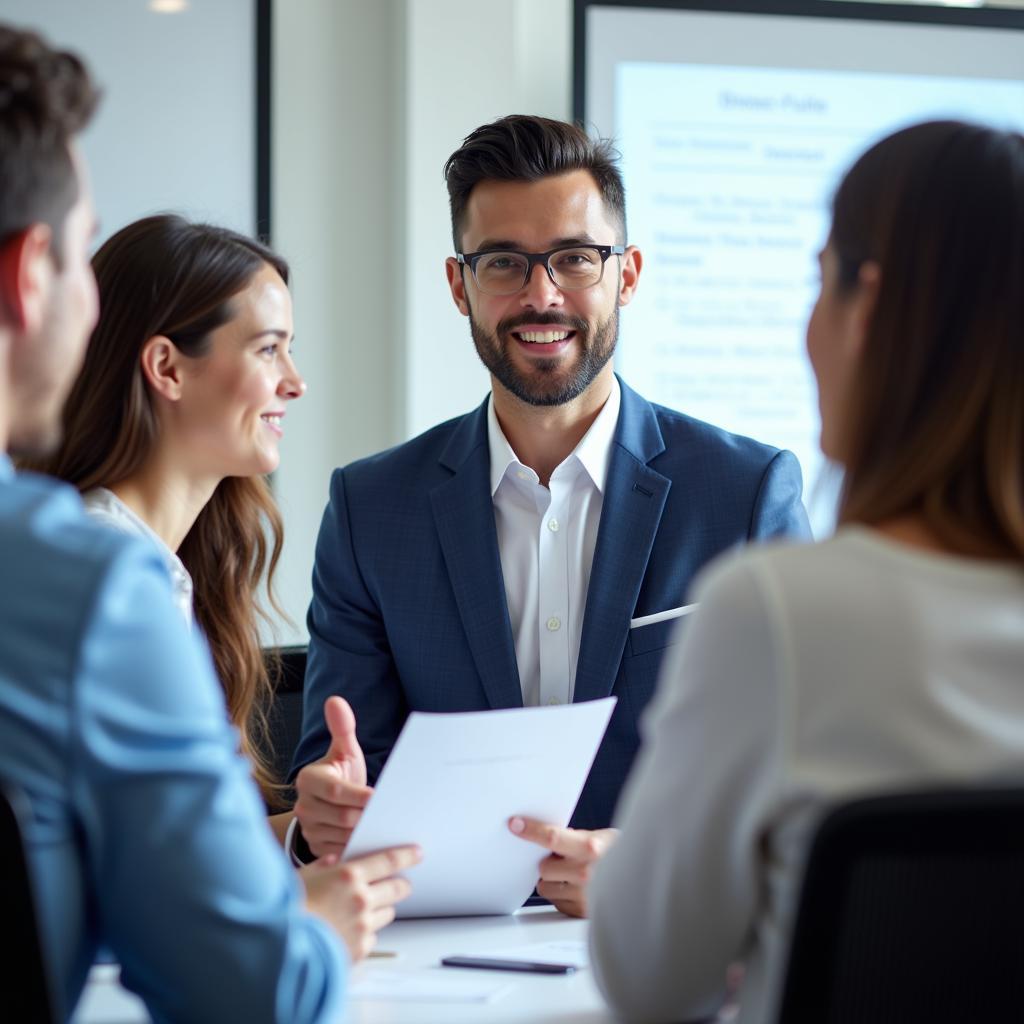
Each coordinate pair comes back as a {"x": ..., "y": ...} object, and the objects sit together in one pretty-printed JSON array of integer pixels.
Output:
[
  {"x": 453, "y": 781},
  {"x": 572, "y": 952},
  {"x": 434, "y": 986}
]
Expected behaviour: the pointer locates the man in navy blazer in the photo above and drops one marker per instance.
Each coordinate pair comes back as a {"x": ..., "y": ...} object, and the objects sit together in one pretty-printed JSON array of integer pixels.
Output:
[{"x": 504, "y": 557}]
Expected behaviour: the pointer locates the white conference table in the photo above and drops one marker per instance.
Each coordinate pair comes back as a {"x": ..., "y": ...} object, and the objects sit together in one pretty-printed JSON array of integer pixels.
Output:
[{"x": 418, "y": 946}]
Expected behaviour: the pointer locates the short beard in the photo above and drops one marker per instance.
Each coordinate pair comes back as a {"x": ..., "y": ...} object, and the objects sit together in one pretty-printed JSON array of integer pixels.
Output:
[{"x": 547, "y": 387}]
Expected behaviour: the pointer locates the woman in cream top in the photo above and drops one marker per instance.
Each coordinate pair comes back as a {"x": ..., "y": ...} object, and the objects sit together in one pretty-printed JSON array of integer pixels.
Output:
[
  {"x": 174, "y": 422},
  {"x": 106, "y": 507},
  {"x": 888, "y": 657}
]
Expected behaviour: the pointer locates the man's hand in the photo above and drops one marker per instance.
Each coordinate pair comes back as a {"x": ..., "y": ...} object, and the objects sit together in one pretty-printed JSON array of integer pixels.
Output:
[
  {"x": 565, "y": 873},
  {"x": 358, "y": 898},
  {"x": 332, "y": 792}
]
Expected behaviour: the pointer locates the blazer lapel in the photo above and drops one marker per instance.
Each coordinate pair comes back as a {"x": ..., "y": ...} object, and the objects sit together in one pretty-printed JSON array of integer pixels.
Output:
[
  {"x": 634, "y": 499},
  {"x": 464, "y": 517}
]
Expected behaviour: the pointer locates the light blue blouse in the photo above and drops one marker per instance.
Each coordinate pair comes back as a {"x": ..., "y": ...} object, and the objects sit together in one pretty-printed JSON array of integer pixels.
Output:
[{"x": 147, "y": 833}]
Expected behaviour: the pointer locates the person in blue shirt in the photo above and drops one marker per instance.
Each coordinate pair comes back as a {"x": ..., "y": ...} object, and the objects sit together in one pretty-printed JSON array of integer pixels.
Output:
[{"x": 146, "y": 833}]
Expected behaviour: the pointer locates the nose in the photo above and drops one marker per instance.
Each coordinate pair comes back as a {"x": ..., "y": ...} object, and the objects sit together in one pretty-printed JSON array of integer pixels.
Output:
[
  {"x": 291, "y": 384},
  {"x": 540, "y": 292}
]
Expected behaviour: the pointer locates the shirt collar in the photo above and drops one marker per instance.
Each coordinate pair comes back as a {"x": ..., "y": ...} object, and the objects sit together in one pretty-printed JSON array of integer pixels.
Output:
[
  {"x": 593, "y": 452},
  {"x": 6, "y": 468}
]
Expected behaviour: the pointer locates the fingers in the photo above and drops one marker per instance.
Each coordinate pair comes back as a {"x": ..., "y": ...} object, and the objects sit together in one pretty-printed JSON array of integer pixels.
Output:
[
  {"x": 327, "y": 781},
  {"x": 327, "y": 824},
  {"x": 566, "y": 870},
  {"x": 315, "y": 811},
  {"x": 375, "y": 866},
  {"x": 569, "y": 899},
  {"x": 332, "y": 842},
  {"x": 388, "y": 892},
  {"x": 341, "y": 723},
  {"x": 578, "y": 844}
]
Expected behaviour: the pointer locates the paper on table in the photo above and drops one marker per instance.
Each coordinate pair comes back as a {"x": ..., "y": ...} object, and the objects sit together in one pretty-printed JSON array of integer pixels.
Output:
[
  {"x": 453, "y": 781},
  {"x": 427, "y": 987},
  {"x": 574, "y": 952}
]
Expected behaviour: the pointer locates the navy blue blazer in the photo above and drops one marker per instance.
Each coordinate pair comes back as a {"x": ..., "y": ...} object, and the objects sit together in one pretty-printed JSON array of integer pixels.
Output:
[{"x": 409, "y": 609}]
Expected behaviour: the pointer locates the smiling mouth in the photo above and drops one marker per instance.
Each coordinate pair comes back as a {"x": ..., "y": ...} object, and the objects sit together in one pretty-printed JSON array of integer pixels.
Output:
[
  {"x": 542, "y": 337},
  {"x": 273, "y": 421}
]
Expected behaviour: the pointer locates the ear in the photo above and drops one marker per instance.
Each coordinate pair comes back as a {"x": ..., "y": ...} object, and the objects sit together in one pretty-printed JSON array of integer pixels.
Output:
[
  {"x": 26, "y": 267},
  {"x": 863, "y": 304},
  {"x": 161, "y": 366},
  {"x": 457, "y": 283},
  {"x": 629, "y": 275}
]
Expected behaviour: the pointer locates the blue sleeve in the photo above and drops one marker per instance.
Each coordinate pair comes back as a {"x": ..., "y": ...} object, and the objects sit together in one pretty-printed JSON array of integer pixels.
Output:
[
  {"x": 778, "y": 510},
  {"x": 194, "y": 896},
  {"x": 349, "y": 652}
]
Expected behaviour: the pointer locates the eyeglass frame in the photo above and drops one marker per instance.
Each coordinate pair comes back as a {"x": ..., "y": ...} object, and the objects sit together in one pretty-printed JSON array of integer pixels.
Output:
[{"x": 533, "y": 259}]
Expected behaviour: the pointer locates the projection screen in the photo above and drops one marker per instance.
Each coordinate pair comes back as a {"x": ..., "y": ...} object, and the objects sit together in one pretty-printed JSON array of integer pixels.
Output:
[{"x": 734, "y": 123}]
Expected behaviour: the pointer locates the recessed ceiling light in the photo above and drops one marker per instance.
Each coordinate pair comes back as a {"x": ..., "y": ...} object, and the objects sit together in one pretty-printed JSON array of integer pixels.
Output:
[{"x": 168, "y": 6}]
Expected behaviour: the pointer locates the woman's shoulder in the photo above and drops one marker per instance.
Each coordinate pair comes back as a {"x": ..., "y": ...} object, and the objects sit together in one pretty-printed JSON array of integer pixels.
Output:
[
  {"x": 782, "y": 564},
  {"x": 857, "y": 575}
]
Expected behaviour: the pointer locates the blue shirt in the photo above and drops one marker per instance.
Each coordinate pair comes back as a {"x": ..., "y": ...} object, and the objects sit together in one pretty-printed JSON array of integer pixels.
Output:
[{"x": 147, "y": 834}]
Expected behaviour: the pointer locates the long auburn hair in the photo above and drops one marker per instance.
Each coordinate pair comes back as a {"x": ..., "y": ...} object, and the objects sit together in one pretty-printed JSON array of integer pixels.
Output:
[
  {"x": 935, "y": 412},
  {"x": 164, "y": 275}
]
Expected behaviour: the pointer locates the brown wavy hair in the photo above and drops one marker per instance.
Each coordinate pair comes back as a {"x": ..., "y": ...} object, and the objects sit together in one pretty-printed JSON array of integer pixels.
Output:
[
  {"x": 936, "y": 409},
  {"x": 164, "y": 275}
]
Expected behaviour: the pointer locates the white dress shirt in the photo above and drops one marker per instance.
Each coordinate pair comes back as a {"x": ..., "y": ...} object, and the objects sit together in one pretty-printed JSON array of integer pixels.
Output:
[
  {"x": 808, "y": 673},
  {"x": 106, "y": 507},
  {"x": 546, "y": 538}
]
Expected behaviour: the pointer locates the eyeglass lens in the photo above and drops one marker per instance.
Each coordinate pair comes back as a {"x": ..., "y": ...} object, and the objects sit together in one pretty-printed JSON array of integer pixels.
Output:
[{"x": 502, "y": 273}]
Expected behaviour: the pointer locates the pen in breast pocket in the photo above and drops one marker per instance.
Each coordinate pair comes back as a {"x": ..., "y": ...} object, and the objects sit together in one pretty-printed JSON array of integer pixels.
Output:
[{"x": 671, "y": 613}]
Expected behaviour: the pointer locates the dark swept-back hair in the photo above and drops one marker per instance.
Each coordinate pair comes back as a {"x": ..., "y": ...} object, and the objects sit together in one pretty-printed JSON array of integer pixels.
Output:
[
  {"x": 46, "y": 99},
  {"x": 166, "y": 276},
  {"x": 523, "y": 147},
  {"x": 935, "y": 412}
]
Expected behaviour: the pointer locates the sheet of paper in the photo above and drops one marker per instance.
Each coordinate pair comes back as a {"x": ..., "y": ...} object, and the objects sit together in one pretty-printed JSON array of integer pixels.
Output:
[
  {"x": 574, "y": 953},
  {"x": 434, "y": 986},
  {"x": 453, "y": 781}
]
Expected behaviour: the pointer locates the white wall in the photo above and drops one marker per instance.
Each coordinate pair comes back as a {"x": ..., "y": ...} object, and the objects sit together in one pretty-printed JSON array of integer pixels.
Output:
[{"x": 369, "y": 100}]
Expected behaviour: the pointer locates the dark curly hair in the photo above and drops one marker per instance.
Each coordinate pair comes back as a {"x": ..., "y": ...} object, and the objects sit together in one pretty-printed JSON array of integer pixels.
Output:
[{"x": 46, "y": 98}]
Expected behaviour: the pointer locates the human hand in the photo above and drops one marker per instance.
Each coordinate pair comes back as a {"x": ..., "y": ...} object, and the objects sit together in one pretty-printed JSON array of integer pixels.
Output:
[
  {"x": 358, "y": 898},
  {"x": 565, "y": 873},
  {"x": 332, "y": 792}
]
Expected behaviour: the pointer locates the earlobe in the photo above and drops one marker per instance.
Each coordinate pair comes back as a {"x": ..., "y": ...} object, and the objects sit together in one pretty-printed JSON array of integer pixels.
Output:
[
  {"x": 457, "y": 283},
  {"x": 632, "y": 262},
  {"x": 869, "y": 282},
  {"x": 25, "y": 268},
  {"x": 161, "y": 366}
]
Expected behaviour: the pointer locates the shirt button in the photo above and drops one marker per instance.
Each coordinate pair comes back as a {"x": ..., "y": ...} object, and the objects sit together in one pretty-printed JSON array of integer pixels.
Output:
[
  {"x": 554, "y": 700},
  {"x": 554, "y": 624},
  {"x": 522, "y": 474},
  {"x": 553, "y": 525}
]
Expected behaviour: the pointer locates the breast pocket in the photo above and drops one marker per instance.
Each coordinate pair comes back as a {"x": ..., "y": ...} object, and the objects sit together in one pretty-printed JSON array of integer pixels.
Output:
[
  {"x": 647, "y": 648},
  {"x": 654, "y": 637}
]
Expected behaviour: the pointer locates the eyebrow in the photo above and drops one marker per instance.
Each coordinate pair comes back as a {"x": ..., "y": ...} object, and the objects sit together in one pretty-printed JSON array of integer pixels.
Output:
[
  {"x": 489, "y": 244},
  {"x": 276, "y": 331}
]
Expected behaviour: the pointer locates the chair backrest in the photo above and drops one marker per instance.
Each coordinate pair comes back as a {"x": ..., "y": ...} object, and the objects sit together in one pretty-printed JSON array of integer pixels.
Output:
[
  {"x": 25, "y": 991},
  {"x": 284, "y": 716},
  {"x": 912, "y": 912}
]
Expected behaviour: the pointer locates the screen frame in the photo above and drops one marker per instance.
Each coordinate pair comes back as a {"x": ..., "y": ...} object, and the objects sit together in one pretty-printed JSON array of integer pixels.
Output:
[
  {"x": 263, "y": 86},
  {"x": 967, "y": 17}
]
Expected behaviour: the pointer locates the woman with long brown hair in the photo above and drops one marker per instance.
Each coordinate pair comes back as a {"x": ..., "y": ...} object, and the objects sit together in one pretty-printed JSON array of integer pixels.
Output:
[
  {"x": 888, "y": 657},
  {"x": 173, "y": 423}
]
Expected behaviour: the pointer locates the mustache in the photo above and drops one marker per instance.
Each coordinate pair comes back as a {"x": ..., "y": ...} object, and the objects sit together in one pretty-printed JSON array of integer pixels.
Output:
[{"x": 573, "y": 323}]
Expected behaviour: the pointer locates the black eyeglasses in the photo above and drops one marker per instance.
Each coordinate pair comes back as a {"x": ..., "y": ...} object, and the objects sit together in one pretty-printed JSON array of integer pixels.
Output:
[{"x": 570, "y": 267}]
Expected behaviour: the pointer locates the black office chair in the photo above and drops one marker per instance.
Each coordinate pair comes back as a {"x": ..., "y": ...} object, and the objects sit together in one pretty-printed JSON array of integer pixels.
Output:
[
  {"x": 284, "y": 716},
  {"x": 25, "y": 989},
  {"x": 912, "y": 912}
]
